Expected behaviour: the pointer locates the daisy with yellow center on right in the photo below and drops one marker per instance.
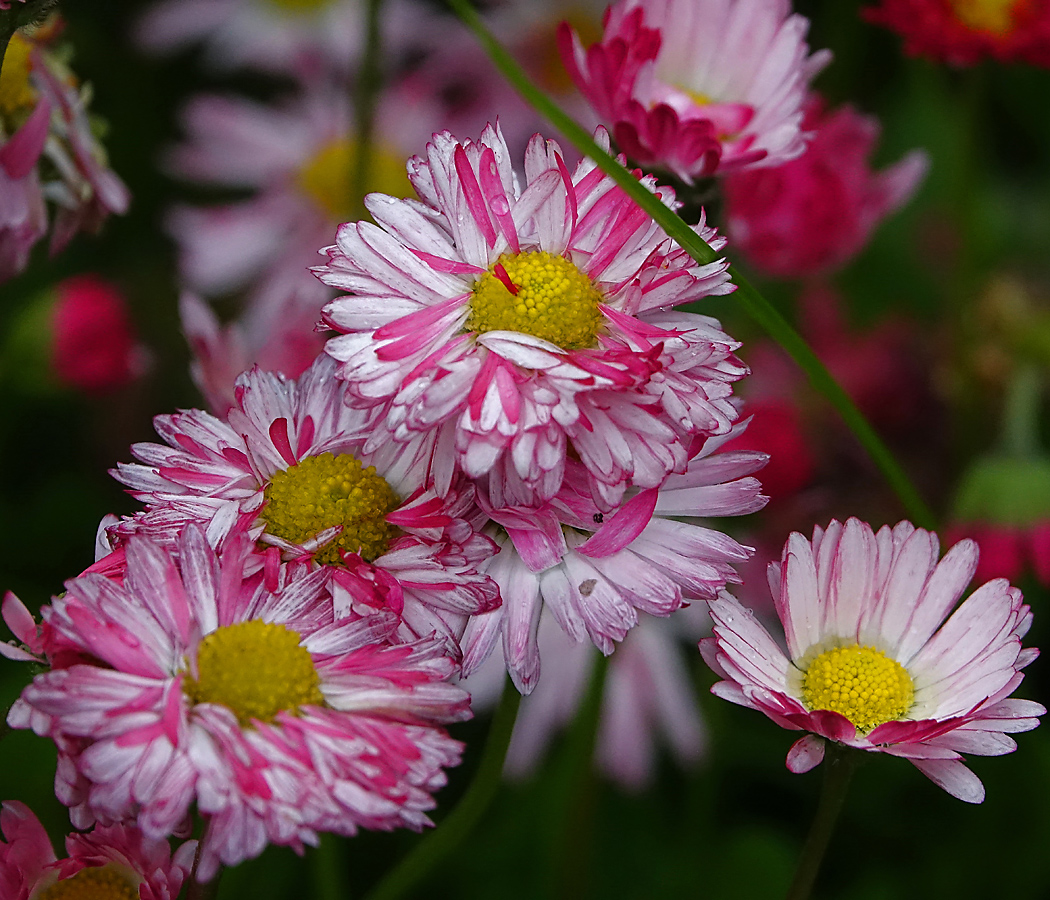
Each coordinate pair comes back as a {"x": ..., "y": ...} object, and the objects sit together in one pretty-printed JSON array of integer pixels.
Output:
[
  {"x": 275, "y": 718},
  {"x": 523, "y": 324},
  {"x": 288, "y": 467},
  {"x": 874, "y": 660}
]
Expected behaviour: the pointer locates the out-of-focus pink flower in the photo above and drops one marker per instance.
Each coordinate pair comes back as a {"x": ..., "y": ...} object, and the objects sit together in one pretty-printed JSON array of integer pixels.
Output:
[
  {"x": 775, "y": 428},
  {"x": 648, "y": 700},
  {"x": 277, "y": 719},
  {"x": 963, "y": 32},
  {"x": 289, "y": 37},
  {"x": 110, "y": 861},
  {"x": 699, "y": 86},
  {"x": 513, "y": 320},
  {"x": 814, "y": 213},
  {"x": 873, "y": 659},
  {"x": 93, "y": 341},
  {"x": 43, "y": 119},
  {"x": 298, "y": 160}
]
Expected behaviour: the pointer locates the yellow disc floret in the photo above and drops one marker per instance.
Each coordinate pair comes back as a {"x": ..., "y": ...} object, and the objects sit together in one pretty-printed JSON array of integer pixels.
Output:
[
  {"x": 993, "y": 16},
  {"x": 328, "y": 178},
  {"x": 16, "y": 93},
  {"x": 864, "y": 685},
  {"x": 255, "y": 668},
  {"x": 96, "y": 883},
  {"x": 323, "y": 491},
  {"x": 540, "y": 294}
]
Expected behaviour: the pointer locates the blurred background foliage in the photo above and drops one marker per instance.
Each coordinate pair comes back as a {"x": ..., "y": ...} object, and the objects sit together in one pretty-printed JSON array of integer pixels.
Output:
[{"x": 732, "y": 827}]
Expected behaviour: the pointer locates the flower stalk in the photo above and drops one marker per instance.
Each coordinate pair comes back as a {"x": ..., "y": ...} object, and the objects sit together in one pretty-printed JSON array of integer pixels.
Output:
[
  {"x": 839, "y": 765},
  {"x": 760, "y": 309},
  {"x": 366, "y": 88},
  {"x": 454, "y": 829}
]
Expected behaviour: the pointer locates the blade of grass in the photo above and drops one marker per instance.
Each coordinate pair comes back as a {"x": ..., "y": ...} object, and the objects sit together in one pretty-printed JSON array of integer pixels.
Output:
[{"x": 760, "y": 309}]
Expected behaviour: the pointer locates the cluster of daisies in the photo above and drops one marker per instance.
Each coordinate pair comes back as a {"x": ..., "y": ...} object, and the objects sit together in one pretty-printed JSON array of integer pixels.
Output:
[{"x": 516, "y": 421}]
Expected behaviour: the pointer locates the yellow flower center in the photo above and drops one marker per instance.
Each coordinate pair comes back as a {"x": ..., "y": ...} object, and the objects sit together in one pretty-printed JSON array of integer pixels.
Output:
[
  {"x": 698, "y": 98},
  {"x": 540, "y": 294},
  {"x": 864, "y": 685},
  {"x": 255, "y": 668},
  {"x": 326, "y": 490},
  {"x": 16, "y": 93},
  {"x": 96, "y": 883},
  {"x": 993, "y": 16},
  {"x": 328, "y": 178}
]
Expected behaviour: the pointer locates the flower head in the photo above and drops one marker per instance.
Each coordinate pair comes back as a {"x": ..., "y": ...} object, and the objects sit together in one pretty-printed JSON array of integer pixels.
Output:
[
  {"x": 963, "y": 32},
  {"x": 276, "y": 718},
  {"x": 699, "y": 86},
  {"x": 874, "y": 661},
  {"x": 115, "y": 861},
  {"x": 93, "y": 340},
  {"x": 514, "y": 323},
  {"x": 814, "y": 213},
  {"x": 288, "y": 467}
]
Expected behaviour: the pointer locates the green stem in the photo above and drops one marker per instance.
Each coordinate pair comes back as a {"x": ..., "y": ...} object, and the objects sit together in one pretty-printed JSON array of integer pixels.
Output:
[
  {"x": 750, "y": 299},
  {"x": 462, "y": 820},
  {"x": 329, "y": 873},
  {"x": 202, "y": 890},
  {"x": 569, "y": 854},
  {"x": 1020, "y": 435},
  {"x": 839, "y": 765},
  {"x": 366, "y": 89}
]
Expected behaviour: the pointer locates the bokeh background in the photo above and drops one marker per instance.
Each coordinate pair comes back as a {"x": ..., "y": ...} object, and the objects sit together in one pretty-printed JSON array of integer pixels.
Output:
[{"x": 954, "y": 292}]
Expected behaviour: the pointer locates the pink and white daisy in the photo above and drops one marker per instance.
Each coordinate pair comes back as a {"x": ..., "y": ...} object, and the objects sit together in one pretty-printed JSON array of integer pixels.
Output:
[
  {"x": 523, "y": 324},
  {"x": 697, "y": 87},
  {"x": 115, "y": 861},
  {"x": 48, "y": 154},
  {"x": 874, "y": 661},
  {"x": 288, "y": 467},
  {"x": 595, "y": 572},
  {"x": 277, "y": 719}
]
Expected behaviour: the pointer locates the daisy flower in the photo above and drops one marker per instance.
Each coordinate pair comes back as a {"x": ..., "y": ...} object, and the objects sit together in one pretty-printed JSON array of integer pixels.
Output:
[
  {"x": 874, "y": 661},
  {"x": 524, "y": 324},
  {"x": 699, "y": 86},
  {"x": 594, "y": 572},
  {"x": 277, "y": 719},
  {"x": 116, "y": 862},
  {"x": 963, "y": 32},
  {"x": 287, "y": 465}
]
